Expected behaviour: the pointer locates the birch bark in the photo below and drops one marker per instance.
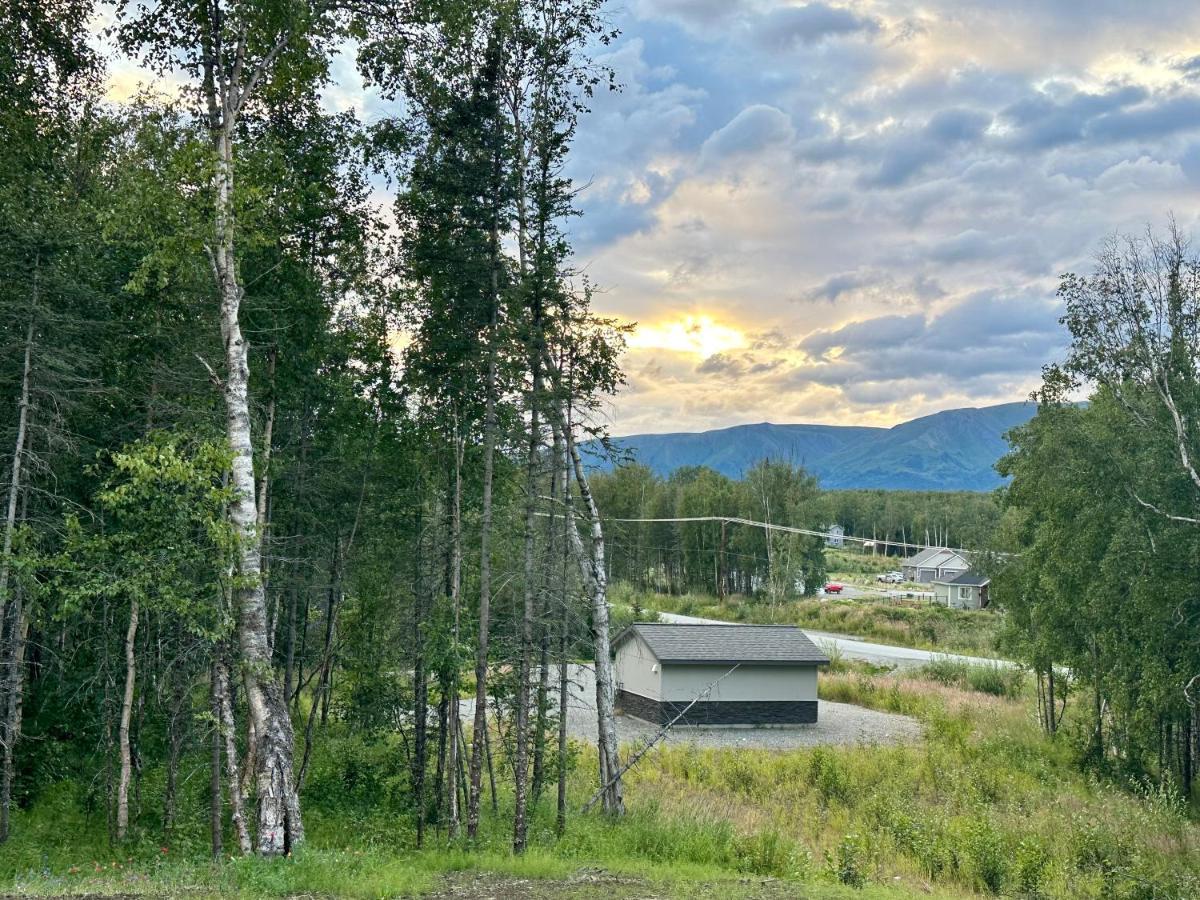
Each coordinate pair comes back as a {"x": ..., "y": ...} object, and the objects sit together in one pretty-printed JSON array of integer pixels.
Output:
[{"x": 278, "y": 816}]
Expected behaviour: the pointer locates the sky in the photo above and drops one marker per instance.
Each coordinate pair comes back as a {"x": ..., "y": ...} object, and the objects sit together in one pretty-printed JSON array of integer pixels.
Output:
[{"x": 857, "y": 212}]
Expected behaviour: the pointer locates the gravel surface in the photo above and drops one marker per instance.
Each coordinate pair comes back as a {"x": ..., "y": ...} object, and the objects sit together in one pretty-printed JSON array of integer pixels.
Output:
[{"x": 837, "y": 723}]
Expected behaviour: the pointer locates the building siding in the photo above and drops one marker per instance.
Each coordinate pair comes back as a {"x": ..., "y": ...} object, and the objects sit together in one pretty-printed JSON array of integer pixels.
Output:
[
  {"x": 638, "y": 670},
  {"x": 748, "y": 682}
]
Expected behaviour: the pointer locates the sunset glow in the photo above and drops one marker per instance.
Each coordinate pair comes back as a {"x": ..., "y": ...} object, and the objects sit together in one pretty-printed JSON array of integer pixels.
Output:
[{"x": 698, "y": 335}]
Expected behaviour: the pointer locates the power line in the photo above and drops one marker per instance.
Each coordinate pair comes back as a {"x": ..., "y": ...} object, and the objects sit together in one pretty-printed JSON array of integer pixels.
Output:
[{"x": 772, "y": 526}]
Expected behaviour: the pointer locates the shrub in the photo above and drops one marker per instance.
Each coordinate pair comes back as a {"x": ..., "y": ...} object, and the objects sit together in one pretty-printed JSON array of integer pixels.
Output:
[
  {"x": 827, "y": 774},
  {"x": 770, "y": 853},
  {"x": 850, "y": 860}
]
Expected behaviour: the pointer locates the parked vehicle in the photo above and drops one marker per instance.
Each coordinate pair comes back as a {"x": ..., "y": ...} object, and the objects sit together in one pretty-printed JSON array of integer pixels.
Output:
[
  {"x": 890, "y": 577},
  {"x": 833, "y": 588}
]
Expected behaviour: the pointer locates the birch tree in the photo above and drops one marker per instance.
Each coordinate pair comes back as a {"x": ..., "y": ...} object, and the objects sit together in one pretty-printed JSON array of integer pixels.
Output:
[{"x": 231, "y": 51}]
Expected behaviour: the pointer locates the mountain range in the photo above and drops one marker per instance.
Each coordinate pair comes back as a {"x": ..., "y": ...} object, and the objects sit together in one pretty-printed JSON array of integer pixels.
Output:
[{"x": 954, "y": 450}]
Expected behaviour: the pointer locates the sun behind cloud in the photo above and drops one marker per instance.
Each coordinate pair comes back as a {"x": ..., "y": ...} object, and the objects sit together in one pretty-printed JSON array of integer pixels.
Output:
[{"x": 698, "y": 335}]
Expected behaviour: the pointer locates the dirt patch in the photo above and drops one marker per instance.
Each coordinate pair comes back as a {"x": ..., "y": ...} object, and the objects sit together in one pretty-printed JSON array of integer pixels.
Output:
[{"x": 597, "y": 884}]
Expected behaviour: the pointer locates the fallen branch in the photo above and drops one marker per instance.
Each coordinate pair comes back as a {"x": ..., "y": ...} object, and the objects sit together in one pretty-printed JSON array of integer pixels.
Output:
[{"x": 662, "y": 732}]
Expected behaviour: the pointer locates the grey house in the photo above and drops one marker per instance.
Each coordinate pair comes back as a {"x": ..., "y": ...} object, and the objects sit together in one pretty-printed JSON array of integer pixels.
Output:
[
  {"x": 660, "y": 669},
  {"x": 967, "y": 590},
  {"x": 933, "y": 564}
]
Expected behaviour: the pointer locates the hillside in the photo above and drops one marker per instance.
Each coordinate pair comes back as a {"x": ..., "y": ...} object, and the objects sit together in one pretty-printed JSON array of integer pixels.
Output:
[{"x": 952, "y": 450}]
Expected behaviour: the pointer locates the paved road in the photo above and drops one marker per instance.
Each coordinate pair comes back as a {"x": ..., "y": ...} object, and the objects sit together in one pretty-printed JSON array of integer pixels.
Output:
[
  {"x": 854, "y": 648},
  {"x": 854, "y": 592}
]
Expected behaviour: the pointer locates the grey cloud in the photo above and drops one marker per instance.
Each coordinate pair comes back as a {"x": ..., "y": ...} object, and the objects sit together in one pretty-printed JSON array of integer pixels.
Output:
[
  {"x": 1149, "y": 120},
  {"x": 1190, "y": 67},
  {"x": 974, "y": 245},
  {"x": 909, "y": 152},
  {"x": 786, "y": 27},
  {"x": 837, "y": 285},
  {"x": 751, "y": 130},
  {"x": 986, "y": 335},
  {"x": 870, "y": 334},
  {"x": 721, "y": 364},
  {"x": 695, "y": 14},
  {"x": 1040, "y": 122},
  {"x": 954, "y": 125}
]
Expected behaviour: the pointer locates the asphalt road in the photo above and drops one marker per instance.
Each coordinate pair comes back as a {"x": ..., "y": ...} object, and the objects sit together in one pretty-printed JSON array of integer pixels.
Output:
[
  {"x": 854, "y": 648},
  {"x": 852, "y": 592}
]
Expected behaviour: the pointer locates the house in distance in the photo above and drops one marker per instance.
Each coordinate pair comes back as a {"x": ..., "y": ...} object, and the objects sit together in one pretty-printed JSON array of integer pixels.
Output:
[
  {"x": 764, "y": 674},
  {"x": 934, "y": 564}
]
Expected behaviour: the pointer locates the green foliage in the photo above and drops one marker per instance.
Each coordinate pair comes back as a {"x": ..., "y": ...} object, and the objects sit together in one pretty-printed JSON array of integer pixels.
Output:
[
  {"x": 999, "y": 680},
  {"x": 163, "y": 539}
]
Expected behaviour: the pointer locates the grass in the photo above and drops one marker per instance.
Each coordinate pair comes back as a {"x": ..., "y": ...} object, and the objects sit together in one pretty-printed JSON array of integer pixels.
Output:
[
  {"x": 900, "y": 623},
  {"x": 982, "y": 805},
  {"x": 985, "y": 804}
]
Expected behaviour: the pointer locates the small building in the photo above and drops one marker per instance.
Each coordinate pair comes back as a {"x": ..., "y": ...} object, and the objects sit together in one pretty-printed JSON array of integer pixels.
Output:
[
  {"x": 967, "y": 590},
  {"x": 835, "y": 537},
  {"x": 764, "y": 674},
  {"x": 932, "y": 564}
]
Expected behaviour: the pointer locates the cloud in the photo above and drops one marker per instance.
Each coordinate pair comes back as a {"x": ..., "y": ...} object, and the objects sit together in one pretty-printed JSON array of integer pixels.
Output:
[
  {"x": 1153, "y": 119},
  {"x": 751, "y": 131},
  {"x": 912, "y": 151},
  {"x": 878, "y": 196},
  {"x": 787, "y": 26}
]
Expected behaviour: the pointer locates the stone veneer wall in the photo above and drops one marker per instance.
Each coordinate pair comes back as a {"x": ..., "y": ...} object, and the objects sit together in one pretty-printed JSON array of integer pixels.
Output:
[{"x": 721, "y": 712}]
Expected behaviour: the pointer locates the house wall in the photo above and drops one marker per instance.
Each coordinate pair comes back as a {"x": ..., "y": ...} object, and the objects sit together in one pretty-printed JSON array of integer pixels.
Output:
[
  {"x": 941, "y": 594},
  {"x": 964, "y": 596},
  {"x": 635, "y": 667},
  {"x": 747, "y": 683}
]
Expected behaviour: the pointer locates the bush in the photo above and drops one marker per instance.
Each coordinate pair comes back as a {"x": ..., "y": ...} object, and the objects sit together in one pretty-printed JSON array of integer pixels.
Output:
[
  {"x": 997, "y": 680},
  {"x": 850, "y": 861}
]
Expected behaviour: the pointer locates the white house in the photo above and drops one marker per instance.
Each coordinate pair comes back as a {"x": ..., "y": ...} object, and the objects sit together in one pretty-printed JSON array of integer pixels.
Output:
[
  {"x": 764, "y": 674},
  {"x": 835, "y": 537},
  {"x": 934, "y": 563}
]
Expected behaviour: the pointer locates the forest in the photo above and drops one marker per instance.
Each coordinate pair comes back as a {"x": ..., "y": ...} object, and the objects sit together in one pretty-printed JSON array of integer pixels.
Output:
[
  {"x": 725, "y": 558},
  {"x": 301, "y": 544},
  {"x": 271, "y": 445}
]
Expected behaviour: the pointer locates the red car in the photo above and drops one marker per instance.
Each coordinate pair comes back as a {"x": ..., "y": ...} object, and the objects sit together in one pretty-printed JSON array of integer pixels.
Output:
[{"x": 833, "y": 588}]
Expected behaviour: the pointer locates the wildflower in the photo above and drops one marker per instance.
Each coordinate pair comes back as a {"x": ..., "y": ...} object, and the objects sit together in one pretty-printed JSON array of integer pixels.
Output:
[{"x": 163, "y": 850}]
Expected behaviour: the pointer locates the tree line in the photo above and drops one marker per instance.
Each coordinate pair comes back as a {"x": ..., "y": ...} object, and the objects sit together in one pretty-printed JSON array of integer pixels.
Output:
[
  {"x": 723, "y": 558},
  {"x": 278, "y": 458},
  {"x": 1100, "y": 520}
]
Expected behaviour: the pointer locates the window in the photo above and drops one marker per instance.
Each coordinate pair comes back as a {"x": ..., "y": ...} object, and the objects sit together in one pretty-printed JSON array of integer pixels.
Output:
[{"x": 964, "y": 593}]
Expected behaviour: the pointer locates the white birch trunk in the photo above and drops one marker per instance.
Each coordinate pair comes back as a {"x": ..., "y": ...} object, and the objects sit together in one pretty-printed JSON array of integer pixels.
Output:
[
  {"x": 237, "y": 805},
  {"x": 14, "y": 481},
  {"x": 279, "y": 824},
  {"x": 123, "y": 729},
  {"x": 595, "y": 576}
]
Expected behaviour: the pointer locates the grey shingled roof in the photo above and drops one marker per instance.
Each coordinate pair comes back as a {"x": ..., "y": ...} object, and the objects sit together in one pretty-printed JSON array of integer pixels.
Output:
[
  {"x": 971, "y": 578},
  {"x": 698, "y": 644}
]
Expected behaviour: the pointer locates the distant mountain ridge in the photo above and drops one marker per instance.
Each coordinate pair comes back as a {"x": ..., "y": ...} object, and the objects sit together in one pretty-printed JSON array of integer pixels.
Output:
[{"x": 953, "y": 450}]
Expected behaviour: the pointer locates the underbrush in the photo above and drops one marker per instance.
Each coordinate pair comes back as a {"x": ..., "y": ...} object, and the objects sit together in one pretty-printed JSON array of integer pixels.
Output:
[{"x": 984, "y": 804}]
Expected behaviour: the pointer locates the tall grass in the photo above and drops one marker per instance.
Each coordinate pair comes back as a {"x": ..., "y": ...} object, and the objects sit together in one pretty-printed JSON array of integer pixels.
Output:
[{"x": 984, "y": 804}]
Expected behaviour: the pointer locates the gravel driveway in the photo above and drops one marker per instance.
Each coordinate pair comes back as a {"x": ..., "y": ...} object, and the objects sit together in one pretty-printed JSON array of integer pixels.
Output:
[{"x": 837, "y": 723}]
